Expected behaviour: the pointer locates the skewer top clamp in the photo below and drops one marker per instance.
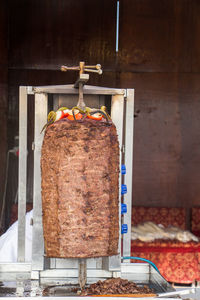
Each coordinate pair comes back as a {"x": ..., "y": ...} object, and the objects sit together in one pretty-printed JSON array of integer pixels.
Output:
[{"x": 83, "y": 78}]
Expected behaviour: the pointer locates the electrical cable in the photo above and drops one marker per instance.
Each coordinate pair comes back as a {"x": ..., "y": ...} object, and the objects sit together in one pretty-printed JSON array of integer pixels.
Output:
[{"x": 142, "y": 259}]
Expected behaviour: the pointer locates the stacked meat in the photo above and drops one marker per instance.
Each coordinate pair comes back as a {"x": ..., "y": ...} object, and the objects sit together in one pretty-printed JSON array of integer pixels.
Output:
[{"x": 80, "y": 166}]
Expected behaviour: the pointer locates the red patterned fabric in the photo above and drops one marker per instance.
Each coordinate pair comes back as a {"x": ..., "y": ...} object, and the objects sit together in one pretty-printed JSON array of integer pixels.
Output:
[
  {"x": 159, "y": 215},
  {"x": 195, "y": 223},
  {"x": 177, "y": 262}
]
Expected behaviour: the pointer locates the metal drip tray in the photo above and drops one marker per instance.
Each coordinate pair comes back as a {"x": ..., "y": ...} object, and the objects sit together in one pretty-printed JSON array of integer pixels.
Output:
[
  {"x": 29, "y": 289},
  {"x": 16, "y": 285}
]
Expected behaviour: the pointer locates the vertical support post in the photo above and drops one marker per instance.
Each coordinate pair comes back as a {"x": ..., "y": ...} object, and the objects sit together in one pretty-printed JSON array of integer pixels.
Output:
[
  {"x": 129, "y": 130},
  {"x": 22, "y": 179},
  {"x": 38, "y": 242},
  {"x": 117, "y": 107}
]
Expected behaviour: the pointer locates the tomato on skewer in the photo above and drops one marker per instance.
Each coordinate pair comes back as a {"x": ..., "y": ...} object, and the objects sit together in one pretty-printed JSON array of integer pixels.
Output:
[
  {"x": 78, "y": 116},
  {"x": 96, "y": 116}
]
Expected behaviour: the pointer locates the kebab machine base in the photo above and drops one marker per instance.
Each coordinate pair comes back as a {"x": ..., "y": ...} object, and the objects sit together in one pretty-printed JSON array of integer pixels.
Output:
[{"x": 20, "y": 284}]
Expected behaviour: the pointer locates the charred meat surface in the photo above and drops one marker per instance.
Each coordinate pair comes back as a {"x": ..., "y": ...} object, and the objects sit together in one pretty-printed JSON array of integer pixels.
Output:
[{"x": 80, "y": 169}]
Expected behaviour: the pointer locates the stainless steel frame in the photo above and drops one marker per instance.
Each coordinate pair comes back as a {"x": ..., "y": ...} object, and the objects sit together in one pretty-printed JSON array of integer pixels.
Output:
[
  {"x": 61, "y": 93},
  {"x": 22, "y": 172}
]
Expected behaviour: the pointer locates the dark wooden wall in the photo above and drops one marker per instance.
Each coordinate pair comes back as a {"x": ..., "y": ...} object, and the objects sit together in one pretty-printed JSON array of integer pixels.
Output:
[
  {"x": 3, "y": 94},
  {"x": 161, "y": 42},
  {"x": 159, "y": 56}
]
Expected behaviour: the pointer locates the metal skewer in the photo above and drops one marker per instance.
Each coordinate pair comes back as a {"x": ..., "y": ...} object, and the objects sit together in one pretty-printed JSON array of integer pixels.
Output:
[
  {"x": 83, "y": 78},
  {"x": 82, "y": 272}
]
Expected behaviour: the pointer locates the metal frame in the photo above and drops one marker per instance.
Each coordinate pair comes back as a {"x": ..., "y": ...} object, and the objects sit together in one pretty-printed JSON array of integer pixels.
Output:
[
  {"x": 22, "y": 179},
  {"x": 40, "y": 265},
  {"x": 41, "y": 101},
  {"x": 129, "y": 133}
]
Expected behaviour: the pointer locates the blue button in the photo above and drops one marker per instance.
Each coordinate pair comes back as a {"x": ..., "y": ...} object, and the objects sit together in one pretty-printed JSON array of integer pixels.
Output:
[
  {"x": 123, "y": 169},
  {"x": 123, "y": 208},
  {"x": 123, "y": 189},
  {"x": 124, "y": 228}
]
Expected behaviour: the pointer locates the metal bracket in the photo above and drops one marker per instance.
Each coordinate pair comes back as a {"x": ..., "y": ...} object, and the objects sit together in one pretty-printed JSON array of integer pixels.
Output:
[{"x": 83, "y": 78}]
